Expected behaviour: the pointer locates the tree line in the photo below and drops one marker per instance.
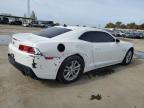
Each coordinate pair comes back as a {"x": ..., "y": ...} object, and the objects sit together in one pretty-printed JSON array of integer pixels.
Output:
[{"x": 121, "y": 25}]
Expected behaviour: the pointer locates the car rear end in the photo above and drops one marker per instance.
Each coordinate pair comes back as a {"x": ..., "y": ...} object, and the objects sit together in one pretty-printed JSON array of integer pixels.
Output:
[
  {"x": 36, "y": 55},
  {"x": 22, "y": 53}
]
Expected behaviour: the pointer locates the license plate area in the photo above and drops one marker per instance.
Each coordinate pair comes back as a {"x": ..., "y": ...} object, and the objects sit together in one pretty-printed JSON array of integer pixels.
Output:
[{"x": 11, "y": 58}]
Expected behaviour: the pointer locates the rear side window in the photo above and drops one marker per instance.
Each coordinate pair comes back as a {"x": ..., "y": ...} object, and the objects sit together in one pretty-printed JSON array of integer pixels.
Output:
[
  {"x": 52, "y": 32},
  {"x": 94, "y": 36}
]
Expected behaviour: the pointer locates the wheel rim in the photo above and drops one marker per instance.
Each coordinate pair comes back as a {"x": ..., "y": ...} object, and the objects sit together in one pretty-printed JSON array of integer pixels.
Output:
[
  {"x": 129, "y": 57},
  {"x": 71, "y": 70}
]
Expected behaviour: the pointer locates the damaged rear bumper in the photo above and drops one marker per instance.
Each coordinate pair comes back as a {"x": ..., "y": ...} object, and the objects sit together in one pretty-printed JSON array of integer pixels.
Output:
[
  {"x": 34, "y": 65},
  {"x": 27, "y": 71}
]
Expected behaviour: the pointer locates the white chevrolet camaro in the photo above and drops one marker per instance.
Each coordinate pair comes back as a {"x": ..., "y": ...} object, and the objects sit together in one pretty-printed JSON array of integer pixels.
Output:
[{"x": 65, "y": 53}]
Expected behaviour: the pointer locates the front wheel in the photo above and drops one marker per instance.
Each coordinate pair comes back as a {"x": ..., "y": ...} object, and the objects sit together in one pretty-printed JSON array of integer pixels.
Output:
[
  {"x": 128, "y": 58},
  {"x": 71, "y": 69}
]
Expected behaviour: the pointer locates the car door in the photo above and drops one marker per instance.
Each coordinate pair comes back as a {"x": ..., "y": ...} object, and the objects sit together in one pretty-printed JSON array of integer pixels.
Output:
[{"x": 105, "y": 49}]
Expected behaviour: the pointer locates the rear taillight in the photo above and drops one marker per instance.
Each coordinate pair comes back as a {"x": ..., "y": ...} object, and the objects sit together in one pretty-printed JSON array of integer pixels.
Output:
[{"x": 27, "y": 49}]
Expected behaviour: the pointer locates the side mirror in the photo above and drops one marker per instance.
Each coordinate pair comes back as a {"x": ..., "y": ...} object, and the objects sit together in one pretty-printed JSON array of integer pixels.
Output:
[{"x": 117, "y": 41}]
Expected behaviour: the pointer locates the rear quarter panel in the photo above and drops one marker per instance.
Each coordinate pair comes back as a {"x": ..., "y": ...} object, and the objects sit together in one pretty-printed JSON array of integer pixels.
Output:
[{"x": 84, "y": 49}]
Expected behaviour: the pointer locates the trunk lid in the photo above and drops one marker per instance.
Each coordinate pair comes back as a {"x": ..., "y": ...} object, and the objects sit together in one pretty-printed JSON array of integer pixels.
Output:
[{"x": 26, "y": 39}]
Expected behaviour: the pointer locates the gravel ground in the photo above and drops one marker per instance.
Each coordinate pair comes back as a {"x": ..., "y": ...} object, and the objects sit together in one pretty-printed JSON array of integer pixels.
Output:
[
  {"x": 10, "y": 29},
  {"x": 113, "y": 87}
]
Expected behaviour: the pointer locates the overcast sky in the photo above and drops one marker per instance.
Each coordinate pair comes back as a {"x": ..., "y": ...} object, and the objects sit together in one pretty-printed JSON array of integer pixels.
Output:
[{"x": 82, "y": 12}]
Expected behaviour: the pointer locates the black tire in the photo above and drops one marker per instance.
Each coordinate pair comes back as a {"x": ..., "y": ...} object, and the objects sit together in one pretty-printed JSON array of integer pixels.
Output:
[
  {"x": 125, "y": 62},
  {"x": 60, "y": 75}
]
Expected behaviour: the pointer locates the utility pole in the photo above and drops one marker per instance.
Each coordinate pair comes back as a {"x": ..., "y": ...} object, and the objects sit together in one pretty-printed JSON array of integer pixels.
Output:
[{"x": 28, "y": 8}]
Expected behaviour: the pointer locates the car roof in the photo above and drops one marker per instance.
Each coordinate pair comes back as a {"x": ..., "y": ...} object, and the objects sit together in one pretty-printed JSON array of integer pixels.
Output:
[
  {"x": 75, "y": 33},
  {"x": 74, "y": 28}
]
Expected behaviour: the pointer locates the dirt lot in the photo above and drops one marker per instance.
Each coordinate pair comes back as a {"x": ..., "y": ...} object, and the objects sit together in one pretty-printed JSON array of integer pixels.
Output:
[
  {"x": 10, "y": 29},
  {"x": 119, "y": 86}
]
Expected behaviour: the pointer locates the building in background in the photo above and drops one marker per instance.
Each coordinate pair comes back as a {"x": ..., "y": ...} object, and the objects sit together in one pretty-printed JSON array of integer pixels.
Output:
[{"x": 14, "y": 20}]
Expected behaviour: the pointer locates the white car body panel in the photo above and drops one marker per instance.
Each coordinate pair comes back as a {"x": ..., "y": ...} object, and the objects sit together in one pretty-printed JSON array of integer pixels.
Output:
[{"x": 95, "y": 55}]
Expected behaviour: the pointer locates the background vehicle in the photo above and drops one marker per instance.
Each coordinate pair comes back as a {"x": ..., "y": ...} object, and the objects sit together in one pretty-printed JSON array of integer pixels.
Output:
[
  {"x": 36, "y": 24},
  {"x": 134, "y": 35},
  {"x": 64, "y": 53},
  {"x": 42, "y": 24},
  {"x": 47, "y": 23},
  {"x": 4, "y": 20},
  {"x": 16, "y": 23},
  {"x": 25, "y": 24},
  {"x": 120, "y": 34}
]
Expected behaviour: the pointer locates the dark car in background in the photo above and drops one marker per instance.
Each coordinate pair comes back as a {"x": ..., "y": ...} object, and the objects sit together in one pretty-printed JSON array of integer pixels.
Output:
[
  {"x": 141, "y": 35},
  {"x": 4, "y": 20},
  {"x": 125, "y": 33},
  {"x": 16, "y": 22},
  {"x": 47, "y": 24},
  {"x": 135, "y": 35}
]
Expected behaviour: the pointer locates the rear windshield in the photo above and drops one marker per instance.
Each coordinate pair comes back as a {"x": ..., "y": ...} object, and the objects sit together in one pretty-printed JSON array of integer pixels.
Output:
[{"x": 52, "y": 32}]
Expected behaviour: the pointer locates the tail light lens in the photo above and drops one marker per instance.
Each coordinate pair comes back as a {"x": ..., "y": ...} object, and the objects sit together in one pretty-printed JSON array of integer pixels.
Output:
[{"x": 27, "y": 49}]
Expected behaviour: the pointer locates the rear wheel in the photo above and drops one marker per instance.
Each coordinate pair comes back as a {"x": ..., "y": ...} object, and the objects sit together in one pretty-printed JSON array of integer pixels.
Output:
[
  {"x": 128, "y": 58},
  {"x": 71, "y": 69}
]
